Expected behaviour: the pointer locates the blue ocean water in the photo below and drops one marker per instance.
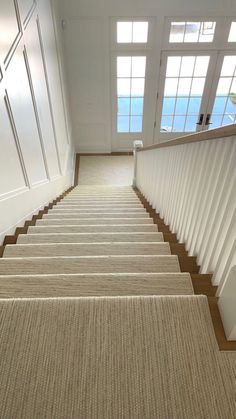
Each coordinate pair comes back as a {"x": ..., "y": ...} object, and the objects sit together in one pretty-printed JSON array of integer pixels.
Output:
[{"x": 130, "y": 113}]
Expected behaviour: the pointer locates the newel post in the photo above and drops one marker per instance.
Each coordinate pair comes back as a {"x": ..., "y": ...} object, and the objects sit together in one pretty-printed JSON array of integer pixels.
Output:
[{"x": 137, "y": 145}]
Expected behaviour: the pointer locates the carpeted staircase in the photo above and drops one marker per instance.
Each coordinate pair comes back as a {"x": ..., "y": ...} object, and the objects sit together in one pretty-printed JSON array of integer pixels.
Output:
[{"x": 98, "y": 321}]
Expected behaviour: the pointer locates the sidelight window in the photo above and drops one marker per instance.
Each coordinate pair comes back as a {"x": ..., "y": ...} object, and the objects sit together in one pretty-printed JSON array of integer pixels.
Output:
[{"x": 130, "y": 93}]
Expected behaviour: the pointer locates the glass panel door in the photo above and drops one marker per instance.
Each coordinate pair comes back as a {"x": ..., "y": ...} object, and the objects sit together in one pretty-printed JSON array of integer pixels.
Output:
[
  {"x": 130, "y": 93},
  {"x": 183, "y": 102},
  {"x": 222, "y": 103}
]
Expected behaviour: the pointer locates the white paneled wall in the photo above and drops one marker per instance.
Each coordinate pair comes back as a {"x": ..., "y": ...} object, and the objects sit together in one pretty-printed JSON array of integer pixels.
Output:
[
  {"x": 36, "y": 152},
  {"x": 193, "y": 187}
]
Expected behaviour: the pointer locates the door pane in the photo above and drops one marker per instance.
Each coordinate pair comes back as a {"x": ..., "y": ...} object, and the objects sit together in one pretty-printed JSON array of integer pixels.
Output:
[
  {"x": 137, "y": 88},
  {"x": 138, "y": 66},
  {"x": 123, "y": 66},
  {"x": 123, "y": 124},
  {"x": 171, "y": 87},
  {"x": 169, "y": 106},
  {"x": 183, "y": 93},
  {"x": 137, "y": 106},
  {"x": 224, "y": 109},
  {"x": 130, "y": 93},
  {"x": 123, "y": 87},
  {"x": 173, "y": 67},
  {"x": 232, "y": 34},
  {"x": 181, "y": 106},
  {"x": 136, "y": 123},
  {"x": 123, "y": 105}
]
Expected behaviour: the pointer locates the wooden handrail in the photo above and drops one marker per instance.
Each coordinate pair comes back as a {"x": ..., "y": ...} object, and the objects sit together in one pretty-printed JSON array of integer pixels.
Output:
[{"x": 213, "y": 134}]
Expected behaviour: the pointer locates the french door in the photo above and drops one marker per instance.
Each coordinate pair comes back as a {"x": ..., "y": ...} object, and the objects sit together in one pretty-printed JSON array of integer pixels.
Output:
[{"x": 197, "y": 91}]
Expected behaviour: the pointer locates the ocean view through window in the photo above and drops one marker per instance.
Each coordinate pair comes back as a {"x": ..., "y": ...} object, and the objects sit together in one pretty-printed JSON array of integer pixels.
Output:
[{"x": 131, "y": 72}]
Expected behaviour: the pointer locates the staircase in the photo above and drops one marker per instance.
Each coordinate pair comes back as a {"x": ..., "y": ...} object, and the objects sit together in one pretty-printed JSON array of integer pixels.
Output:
[{"x": 98, "y": 321}]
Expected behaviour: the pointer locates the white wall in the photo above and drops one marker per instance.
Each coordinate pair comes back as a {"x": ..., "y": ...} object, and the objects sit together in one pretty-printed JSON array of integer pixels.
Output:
[
  {"x": 36, "y": 151},
  {"x": 88, "y": 61}
]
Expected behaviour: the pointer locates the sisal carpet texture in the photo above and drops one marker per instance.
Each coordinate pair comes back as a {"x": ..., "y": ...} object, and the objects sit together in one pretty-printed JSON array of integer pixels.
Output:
[
  {"x": 38, "y": 286},
  {"x": 113, "y": 358}
]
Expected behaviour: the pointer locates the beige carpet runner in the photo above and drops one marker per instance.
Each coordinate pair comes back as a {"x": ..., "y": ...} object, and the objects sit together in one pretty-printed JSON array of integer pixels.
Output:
[{"x": 97, "y": 321}]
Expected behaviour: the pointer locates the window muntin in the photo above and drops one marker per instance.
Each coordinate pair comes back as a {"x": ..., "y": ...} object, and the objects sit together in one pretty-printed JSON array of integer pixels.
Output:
[
  {"x": 131, "y": 72},
  {"x": 184, "y": 86},
  {"x": 192, "y": 32},
  {"x": 232, "y": 33},
  {"x": 132, "y": 32},
  {"x": 224, "y": 109}
]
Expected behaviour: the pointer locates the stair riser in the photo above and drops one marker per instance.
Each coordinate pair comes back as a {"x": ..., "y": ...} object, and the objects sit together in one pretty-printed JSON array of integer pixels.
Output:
[
  {"x": 90, "y": 238},
  {"x": 61, "y": 214},
  {"x": 103, "y": 195},
  {"x": 93, "y": 229},
  {"x": 130, "y": 199},
  {"x": 107, "y": 199},
  {"x": 102, "y": 205},
  {"x": 130, "y": 264},
  {"x": 98, "y": 210},
  {"x": 82, "y": 286},
  {"x": 87, "y": 250},
  {"x": 93, "y": 221}
]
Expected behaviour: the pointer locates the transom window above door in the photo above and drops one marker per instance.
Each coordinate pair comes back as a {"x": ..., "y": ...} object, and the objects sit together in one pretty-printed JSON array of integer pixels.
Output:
[
  {"x": 192, "y": 32},
  {"x": 132, "y": 32}
]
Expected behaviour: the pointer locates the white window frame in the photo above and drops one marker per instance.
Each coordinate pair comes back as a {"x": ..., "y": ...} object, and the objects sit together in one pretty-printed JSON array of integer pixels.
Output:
[
  {"x": 114, "y": 45},
  {"x": 125, "y": 140},
  {"x": 185, "y": 46},
  {"x": 165, "y": 136}
]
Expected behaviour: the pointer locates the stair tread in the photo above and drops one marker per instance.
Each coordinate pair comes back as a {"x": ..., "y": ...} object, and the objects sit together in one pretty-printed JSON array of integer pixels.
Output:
[{"x": 113, "y": 334}]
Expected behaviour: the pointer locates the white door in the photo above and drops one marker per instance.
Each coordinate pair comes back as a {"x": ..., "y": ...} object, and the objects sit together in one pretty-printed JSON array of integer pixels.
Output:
[
  {"x": 186, "y": 82},
  {"x": 221, "y": 109}
]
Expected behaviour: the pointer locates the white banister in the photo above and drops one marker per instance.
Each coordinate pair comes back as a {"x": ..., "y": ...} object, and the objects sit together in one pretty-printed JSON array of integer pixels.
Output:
[
  {"x": 227, "y": 305},
  {"x": 137, "y": 145},
  {"x": 191, "y": 182}
]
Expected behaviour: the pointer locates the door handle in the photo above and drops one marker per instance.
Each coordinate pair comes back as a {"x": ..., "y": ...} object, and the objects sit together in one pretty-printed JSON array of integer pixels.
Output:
[
  {"x": 200, "y": 121},
  {"x": 208, "y": 118}
]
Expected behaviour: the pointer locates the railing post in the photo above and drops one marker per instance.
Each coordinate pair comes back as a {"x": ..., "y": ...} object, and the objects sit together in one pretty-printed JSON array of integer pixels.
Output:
[{"x": 137, "y": 145}]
